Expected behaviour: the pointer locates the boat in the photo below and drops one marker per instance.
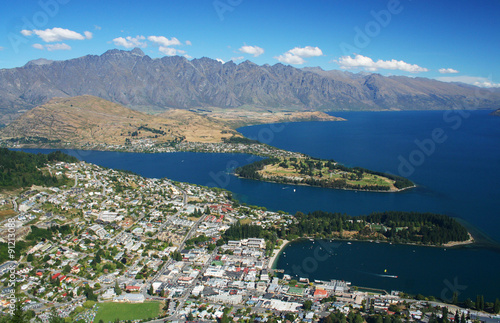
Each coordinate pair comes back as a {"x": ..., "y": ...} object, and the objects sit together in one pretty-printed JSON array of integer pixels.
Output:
[
  {"x": 389, "y": 276},
  {"x": 349, "y": 242}
]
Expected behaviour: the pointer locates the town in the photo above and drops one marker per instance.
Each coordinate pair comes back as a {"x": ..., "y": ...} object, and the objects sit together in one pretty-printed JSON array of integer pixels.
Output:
[
  {"x": 114, "y": 238},
  {"x": 150, "y": 146}
]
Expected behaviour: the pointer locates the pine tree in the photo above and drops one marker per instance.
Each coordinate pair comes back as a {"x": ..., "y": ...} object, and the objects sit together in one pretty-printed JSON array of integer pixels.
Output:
[
  {"x": 480, "y": 302},
  {"x": 454, "y": 298},
  {"x": 496, "y": 307},
  {"x": 118, "y": 290},
  {"x": 462, "y": 318}
]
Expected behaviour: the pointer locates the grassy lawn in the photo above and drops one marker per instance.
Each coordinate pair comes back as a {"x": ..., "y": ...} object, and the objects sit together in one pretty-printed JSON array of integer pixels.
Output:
[
  {"x": 246, "y": 221},
  {"x": 4, "y": 214},
  {"x": 108, "y": 312},
  {"x": 367, "y": 180}
]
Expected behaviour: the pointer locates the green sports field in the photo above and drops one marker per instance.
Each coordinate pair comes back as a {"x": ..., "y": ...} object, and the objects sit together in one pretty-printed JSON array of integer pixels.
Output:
[{"x": 108, "y": 312}]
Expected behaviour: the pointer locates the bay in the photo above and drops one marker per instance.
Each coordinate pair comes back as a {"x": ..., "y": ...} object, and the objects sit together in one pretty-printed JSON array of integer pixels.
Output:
[{"x": 416, "y": 270}]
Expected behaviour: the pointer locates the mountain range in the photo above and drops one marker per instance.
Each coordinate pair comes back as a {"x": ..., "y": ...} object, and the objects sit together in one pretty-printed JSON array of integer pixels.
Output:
[{"x": 142, "y": 83}]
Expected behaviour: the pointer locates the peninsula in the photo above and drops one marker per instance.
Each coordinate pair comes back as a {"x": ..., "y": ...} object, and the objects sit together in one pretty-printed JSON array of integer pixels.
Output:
[
  {"x": 306, "y": 170},
  {"x": 91, "y": 123}
]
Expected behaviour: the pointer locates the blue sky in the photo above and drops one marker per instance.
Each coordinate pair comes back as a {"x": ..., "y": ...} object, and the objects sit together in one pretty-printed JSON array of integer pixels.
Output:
[{"x": 447, "y": 40}]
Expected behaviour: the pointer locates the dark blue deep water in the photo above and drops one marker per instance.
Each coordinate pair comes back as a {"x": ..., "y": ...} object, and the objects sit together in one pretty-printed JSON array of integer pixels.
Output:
[{"x": 453, "y": 157}]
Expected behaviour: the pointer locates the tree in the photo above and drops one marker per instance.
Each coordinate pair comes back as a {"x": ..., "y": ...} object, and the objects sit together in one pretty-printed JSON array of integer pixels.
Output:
[
  {"x": 54, "y": 317},
  {"x": 18, "y": 316},
  {"x": 455, "y": 298},
  {"x": 290, "y": 317},
  {"x": 224, "y": 318},
  {"x": 66, "y": 269},
  {"x": 480, "y": 302},
  {"x": 496, "y": 307},
  {"x": 307, "y": 305},
  {"x": 118, "y": 290},
  {"x": 444, "y": 310}
]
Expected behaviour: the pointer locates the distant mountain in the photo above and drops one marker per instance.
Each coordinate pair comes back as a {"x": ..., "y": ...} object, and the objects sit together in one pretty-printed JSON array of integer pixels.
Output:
[
  {"x": 139, "y": 82},
  {"x": 89, "y": 120},
  {"x": 496, "y": 113}
]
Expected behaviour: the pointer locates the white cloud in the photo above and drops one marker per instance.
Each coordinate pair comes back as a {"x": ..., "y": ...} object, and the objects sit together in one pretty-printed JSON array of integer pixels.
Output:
[
  {"x": 472, "y": 80},
  {"x": 130, "y": 42},
  {"x": 52, "y": 47},
  {"x": 239, "y": 58},
  {"x": 296, "y": 55},
  {"x": 348, "y": 62},
  {"x": 307, "y": 51},
  {"x": 2, "y": 48},
  {"x": 289, "y": 58},
  {"x": 97, "y": 27},
  {"x": 220, "y": 60},
  {"x": 187, "y": 56},
  {"x": 88, "y": 34},
  {"x": 252, "y": 50},
  {"x": 447, "y": 71},
  {"x": 169, "y": 51},
  {"x": 62, "y": 46},
  {"x": 188, "y": 42},
  {"x": 56, "y": 34},
  {"x": 164, "y": 41}
]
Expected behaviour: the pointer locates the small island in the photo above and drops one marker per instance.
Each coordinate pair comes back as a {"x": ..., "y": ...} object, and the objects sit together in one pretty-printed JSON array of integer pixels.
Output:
[{"x": 322, "y": 173}]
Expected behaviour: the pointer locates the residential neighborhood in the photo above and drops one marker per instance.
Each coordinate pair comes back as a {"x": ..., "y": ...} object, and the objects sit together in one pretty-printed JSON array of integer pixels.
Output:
[{"x": 113, "y": 237}]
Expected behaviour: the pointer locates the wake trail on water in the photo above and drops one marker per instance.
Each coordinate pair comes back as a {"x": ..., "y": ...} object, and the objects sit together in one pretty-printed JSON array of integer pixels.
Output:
[{"x": 378, "y": 275}]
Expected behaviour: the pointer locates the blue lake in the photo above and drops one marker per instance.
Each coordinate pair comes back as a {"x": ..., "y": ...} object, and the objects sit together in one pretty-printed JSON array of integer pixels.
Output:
[{"x": 454, "y": 158}]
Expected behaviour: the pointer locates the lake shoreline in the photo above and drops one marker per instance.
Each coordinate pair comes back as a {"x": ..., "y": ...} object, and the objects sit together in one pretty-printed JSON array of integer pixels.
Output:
[
  {"x": 330, "y": 188},
  {"x": 276, "y": 254}
]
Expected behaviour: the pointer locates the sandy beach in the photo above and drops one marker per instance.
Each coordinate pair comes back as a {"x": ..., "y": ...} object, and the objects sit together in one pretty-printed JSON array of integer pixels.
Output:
[
  {"x": 276, "y": 252},
  {"x": 459, "y": 243}
]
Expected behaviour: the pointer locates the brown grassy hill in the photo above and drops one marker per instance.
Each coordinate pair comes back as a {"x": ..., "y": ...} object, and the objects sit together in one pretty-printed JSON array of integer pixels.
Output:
[
  {"x": 89, "y": 119},
  {"x": 199, "y": 128}
]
